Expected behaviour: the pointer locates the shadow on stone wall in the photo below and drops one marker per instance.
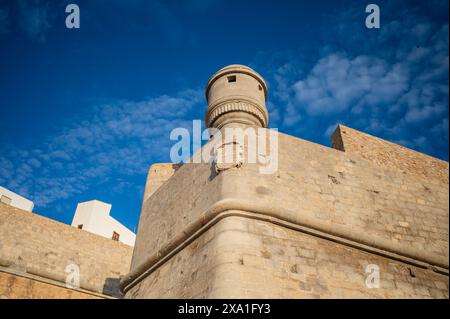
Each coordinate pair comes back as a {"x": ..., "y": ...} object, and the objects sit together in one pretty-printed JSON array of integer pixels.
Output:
[{"x": 111, "y": 287}]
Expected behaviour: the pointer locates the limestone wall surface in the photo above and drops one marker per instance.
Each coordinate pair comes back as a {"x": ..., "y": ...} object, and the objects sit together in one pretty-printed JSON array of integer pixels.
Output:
[
  {"x": 342, "y": 196},
  {"x": 246, "y": 258},
  {"x": 13, "y": 286},
  {"x": 157, "y": 175},
  {"x": 33, "y": 245},
  {"x": 390, "y": 155},
  {"x": 170, "y": 208},
  {"x": 350, "y": 197}
]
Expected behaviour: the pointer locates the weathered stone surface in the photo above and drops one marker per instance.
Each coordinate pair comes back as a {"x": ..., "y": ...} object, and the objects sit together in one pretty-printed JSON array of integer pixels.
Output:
[
  {"x": 389, "y": 155},
  {"x": 246, "y": 258},
  {"x": 41, "y": 247},
  {"x": 157, "y": 175},
  {"x": 18, "y": 287},
  {"x": 236, "y": 96},
  {"x": 317, "y": 185}
]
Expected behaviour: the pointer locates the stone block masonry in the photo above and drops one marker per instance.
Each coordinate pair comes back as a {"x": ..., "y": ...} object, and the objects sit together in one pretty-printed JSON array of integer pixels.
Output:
[
  {"x": 17, "y": 286},
  {"x": 35, "y": 251},
  {"x": 243, "y": 257},
  {"x": 389, "y": 155}
]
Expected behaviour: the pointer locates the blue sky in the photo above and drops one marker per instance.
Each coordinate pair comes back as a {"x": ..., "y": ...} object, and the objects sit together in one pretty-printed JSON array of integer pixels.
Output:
[{"x": 85, "y": 112}]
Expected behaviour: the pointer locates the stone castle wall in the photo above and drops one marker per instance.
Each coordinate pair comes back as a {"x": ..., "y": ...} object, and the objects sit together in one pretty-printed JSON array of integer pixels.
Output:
[
  {"x": 379, "y": 213},
  {"x": 20, "y": 286},
  {"x": 35, "y": 251},
  {"x": 389, "y": 155},
  {"x": 241, "y": 257},
  {"x": 157, "y": 175}
]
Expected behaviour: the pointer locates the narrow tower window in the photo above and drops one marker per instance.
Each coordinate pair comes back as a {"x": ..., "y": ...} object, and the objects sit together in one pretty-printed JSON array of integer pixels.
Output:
[{"x": 231, "y": 78}]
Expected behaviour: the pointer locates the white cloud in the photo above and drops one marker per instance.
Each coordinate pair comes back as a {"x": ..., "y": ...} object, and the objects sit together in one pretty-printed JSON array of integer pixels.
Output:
[
  {"x": 337, "y": 83},
  {"x": 391, "y": 90},
  {"x": 417, "y": 114},
  {"x": 119, "y": 139}
]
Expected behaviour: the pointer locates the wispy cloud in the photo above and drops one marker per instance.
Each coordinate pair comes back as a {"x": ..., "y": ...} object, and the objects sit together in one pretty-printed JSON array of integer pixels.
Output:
[
  {"x": 34, "y": 18},
  {"x": 391, "y": 82},
  {"x": 337, "y": 83},
  {"x": 118, "y": 142}
]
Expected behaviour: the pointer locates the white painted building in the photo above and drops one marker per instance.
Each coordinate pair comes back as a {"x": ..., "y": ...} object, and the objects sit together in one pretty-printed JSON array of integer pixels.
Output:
[
  {"x": 15, "y": 200},
  {"x": 93, "y": 216}
]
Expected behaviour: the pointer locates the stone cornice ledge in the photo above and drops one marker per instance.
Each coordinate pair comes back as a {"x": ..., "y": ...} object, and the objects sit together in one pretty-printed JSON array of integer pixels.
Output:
[
  {"x": 237, "y": 207},
  {"x": 233, "y": 104}
]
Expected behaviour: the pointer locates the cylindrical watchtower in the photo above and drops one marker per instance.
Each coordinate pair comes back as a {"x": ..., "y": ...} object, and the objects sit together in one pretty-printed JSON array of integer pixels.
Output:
[{"x": 236, "y": 97}]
